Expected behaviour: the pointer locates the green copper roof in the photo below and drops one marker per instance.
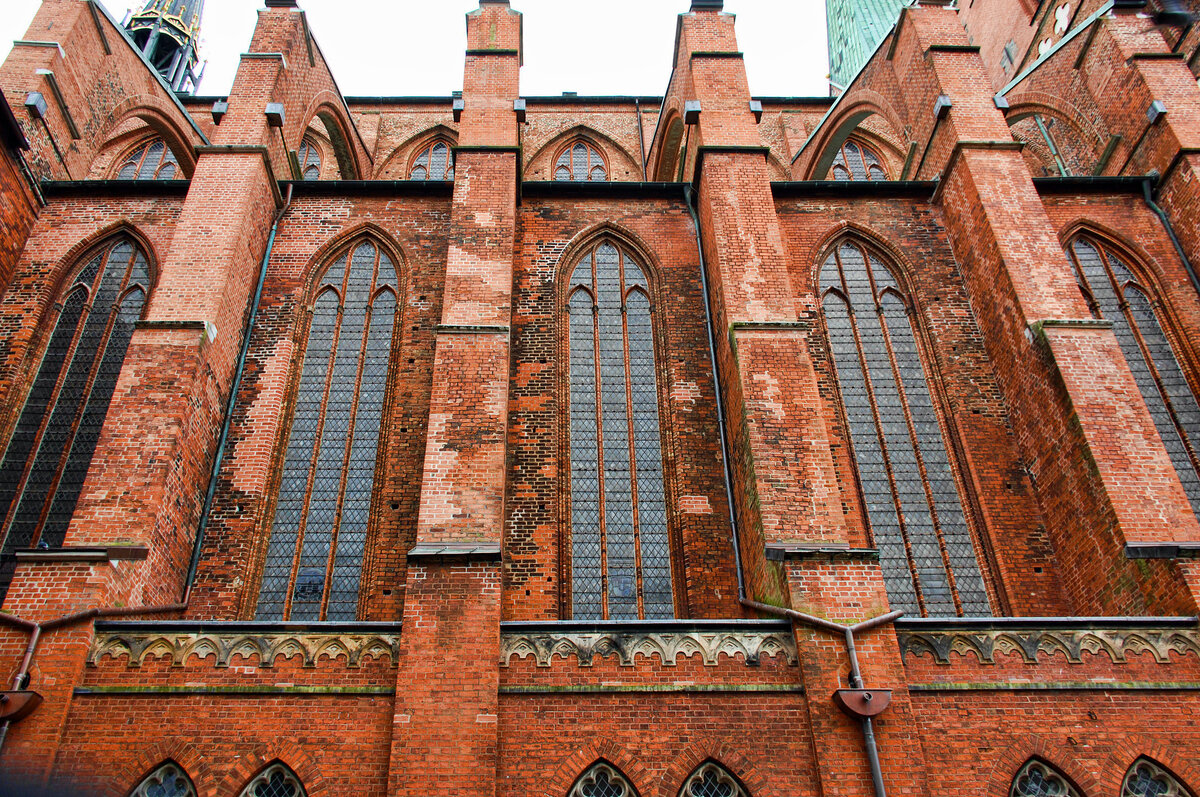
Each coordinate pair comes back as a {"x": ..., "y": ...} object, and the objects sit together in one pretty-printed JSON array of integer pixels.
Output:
[{"x": 855, "y": 29}]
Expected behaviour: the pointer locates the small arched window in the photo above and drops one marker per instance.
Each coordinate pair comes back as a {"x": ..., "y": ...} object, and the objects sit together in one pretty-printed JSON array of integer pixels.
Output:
[
  {"x": 319, "y": 533},
  {"x": 435, "y": 162},
  {"x": 152, "y": 160},
  {"x": 1147, "y": 779},
  {"x": 911, "y": 495},
  {"x": 857, "y": 161},
  {"x": 602, "y": 780},
  {"x": 51, "y": 447},
  {"x": 1039, "y": 779},
  {"x": 276, "y": 780},
  {"x": 711, "y": 780},
  {"x": 169, "y": 780},
  {"x": 620, "y": 551},
  {"x": 309, "y": 157},
  {"x": 1115, "y": 295},
  {"x": 580, "y": 161}
]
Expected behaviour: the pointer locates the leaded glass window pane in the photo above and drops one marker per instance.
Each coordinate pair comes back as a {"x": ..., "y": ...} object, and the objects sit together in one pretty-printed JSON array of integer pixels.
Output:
[
  {"x": 580, "y": 161},
  {"x": 169, "y": 780},
  {"x": 153, "y": 160},
  {"x": 51, "y": 448},
  {"x": 322, "y": 514},
  {"x": 911, "y": 496},
  {"x": 711, "y": 780},
  {"x": 856, "y": 161},
  {"x": 601, "y": 780},
  {"x": 620, "y": 546},
  {"x": 435, "y": 162},
  {"x": 1147, "y": 779},
  {"x": 275, "y": 781},
  {"x": 310, "y": 160},
  {"x": 1115, "y": 296},
  {"x": 1037, "y": 779}
]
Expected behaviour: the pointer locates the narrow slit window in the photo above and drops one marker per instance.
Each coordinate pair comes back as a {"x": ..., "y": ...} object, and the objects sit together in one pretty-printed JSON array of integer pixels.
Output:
[
  {"x": 1114, "y": 295},
  {"x": 322, "y": 515},
  {"x": 52, "y": 445},
  {"x": 911, "y": 495},
  {"x": 582, "y": 162},
  {"x": 857, "y": 161},
  {"x": 435, "y": 162},
  {"x": 152, "y": 160},
  {"x": 620, "y": 548}
]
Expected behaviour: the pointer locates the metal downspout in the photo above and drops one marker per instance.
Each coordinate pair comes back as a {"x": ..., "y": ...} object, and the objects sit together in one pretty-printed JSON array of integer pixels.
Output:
[
  {"x": 232, "y": 400},
  {"x": 1166, "y": 223}
]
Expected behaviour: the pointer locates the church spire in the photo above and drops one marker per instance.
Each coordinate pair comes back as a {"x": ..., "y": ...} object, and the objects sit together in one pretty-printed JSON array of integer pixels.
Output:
[{"x": 168, "y": 32}]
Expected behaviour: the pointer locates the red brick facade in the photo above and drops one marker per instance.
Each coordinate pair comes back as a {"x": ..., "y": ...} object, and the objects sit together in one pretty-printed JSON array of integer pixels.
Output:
[{"x": 976, "y": 420}]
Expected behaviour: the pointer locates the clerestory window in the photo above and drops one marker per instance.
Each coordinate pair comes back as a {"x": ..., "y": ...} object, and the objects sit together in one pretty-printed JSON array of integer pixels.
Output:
[
  {"x": 908, "y": 485},
  {"x": 620, "y": 551},
  {"x": 434, "y": 162},
  {"x": 1039, "y": 779},
  {"x": 580, "y": 161},
  {"x": 322, "y": 515},
  {"x": 168, "y": 780},
  {"x": 602, "y": 780},
  {"x": 857, "y": 161},
  {"x": 1147, "y": 779},
  {"x": 51, "y": 447},
  {"x": 711, "y": 780},
  {"x": 152, "y": 160},
  {"x": 1115, "y": 295},
  {"x": 276, "y": 780},
  {"x": 309, "y": 157}
]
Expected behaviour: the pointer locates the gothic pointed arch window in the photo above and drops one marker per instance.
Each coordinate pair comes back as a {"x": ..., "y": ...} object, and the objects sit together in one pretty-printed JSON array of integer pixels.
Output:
[
  {"x": 323, "y": 511},
  {"x": 277, "y": 780},
  {"x": 910, "y": 492},
  {"x": 1114, "y": 294},
  {"x": 1039, "y": 779},
  {"x": 620, "y": 550},
  {"x": 434, "y": 162},
  {"x": 602, "y": 780},
  {"x": 857, "y": 160},
  {"x": 150, "y": 160},
  {"x": 309, "y": 156},
  {"x": 167, "y": 780},
  {"x": 582, "y": 161},
  {"x": 712, "y": 780},
  {"x": 51, "y": 447},
  {"x": 1147, "y": 779}
]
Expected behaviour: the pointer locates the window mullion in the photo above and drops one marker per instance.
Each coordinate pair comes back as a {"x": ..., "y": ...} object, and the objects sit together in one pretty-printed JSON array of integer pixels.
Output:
[
  {"x": 601, "y": 498},
  {"x": 629, "y": 427}
]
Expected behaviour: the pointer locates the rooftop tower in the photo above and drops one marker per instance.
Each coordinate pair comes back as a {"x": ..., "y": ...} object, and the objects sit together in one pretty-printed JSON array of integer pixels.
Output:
[{"x": 168, "y": 32}]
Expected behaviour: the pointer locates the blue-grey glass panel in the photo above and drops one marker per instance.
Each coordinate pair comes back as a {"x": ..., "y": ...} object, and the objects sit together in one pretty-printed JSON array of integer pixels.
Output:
[
  {"x": 140, "y": 274},
  {"x": 439, "y": 162},
  {"x": 153, "y": 159},
  {"x": 582, "y": 275},
  {"x": 1179, "y": 393},
  {"x": 614, "y": 424},
  {"x": 129, "y": 169},
  {"x": 293, "y": 484},
  {"x": 387, "y": 272},
  {"x": 87, "y": 432},
  {"x": 956, "y": 536},
  {"x": 71, "y": 396},
  {"x": 336, "y": 274},
  {"x": 24, "y": 436},
  {"x": 868, "y": 456},
  {"x": 854, "y": 161},
  {"x": 587, "y": 598},
  {"x": 634, "y": 276},
  {"x": 579, "y": 162},
  {"x": 87, "y": 274},
  {"x": 360, "y": 474}
]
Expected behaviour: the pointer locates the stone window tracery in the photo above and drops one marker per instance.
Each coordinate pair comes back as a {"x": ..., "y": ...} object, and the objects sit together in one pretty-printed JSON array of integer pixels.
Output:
[
  {"x": 322, "y": 515},
  {"x": 857, "y": 161},
  {"x": 275, "y": 781},
  {"x": 711, "y": 780},
  {"x": 602, "y": 780},
  {"x": 169, "y": 780},
  {"x": 908, "y": 485},
  {"x": 580, "y": 161},
  {"x": 620, "y": 550},
  {"x": 435, "y": 162},
  {"x": 1115, "y": 295},
  {"x": 1038, "y": 779},
  {"x": 1147, "y": 779},
  {"x": 152, "y": 160},
  {"x": 52, "y": 444},
  {"x": 309, "y": 157}
]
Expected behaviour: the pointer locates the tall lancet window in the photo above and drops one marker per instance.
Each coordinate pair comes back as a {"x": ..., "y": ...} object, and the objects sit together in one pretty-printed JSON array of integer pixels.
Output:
[
  {"x": 315, "y": 553},
  {"x": 1115, "y": 295},
  {"x": 620, "y": 552},
  {"x": 908, "y": 485},
  {"x": 51, "y": 447}
]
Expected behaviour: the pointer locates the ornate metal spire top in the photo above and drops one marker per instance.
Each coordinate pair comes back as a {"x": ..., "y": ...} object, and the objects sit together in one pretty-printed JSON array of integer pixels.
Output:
[{"x": 168, "y": 32}]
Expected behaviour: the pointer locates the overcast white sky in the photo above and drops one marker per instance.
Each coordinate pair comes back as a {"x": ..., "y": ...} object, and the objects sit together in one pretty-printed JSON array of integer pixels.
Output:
[{"x": 415, "y": 47}]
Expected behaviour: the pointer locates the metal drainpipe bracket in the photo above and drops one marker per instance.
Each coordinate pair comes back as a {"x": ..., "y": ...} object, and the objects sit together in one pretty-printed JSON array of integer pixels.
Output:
[
  {"x": 16, "y": 706},
  {"x": 863, "y": 703}
]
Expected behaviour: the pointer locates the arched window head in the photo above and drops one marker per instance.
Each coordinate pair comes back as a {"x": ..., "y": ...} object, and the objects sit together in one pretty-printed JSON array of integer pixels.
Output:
[
  {"x": 911, "y": 494},
  {"x": 319, "y": 532},
  {"x": 620, "y": 551},
  {"x": 602, "y": 780},
  {"x": 436, "y": 162},
  {"x": 169, "y": 780},
  {"x": 1114, "y": 295},
  {"x": 152, "y": 160},
  {"x": 275, "y": 781},
  {"x": 857, "y": 161},
  {"x": 1147, "y": 779},
  {"x": 711, "y": 780},
  {"x": 1039, "y": 779},
  {"x": 309, "y": 156},
  {"x": 581, "y": 161},
  {"x": 51, "y": 447}
]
